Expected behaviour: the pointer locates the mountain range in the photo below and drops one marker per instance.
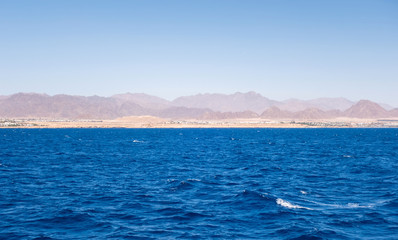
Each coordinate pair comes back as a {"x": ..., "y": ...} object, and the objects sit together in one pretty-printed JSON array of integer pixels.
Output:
[{"x": 201, "y": 106}]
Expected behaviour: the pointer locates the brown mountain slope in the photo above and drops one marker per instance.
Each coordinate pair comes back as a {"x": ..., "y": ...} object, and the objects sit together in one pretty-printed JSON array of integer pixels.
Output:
[
  {"x": 324, "y": 104},
  {"x": 144, "y": 100},
  {"x": 394, "y": 113},
  {"x": 24, "y": 105},
  {"x": 237, "y": 102},
  {"x": 276, "y": 113},
  {"x": 366, "y": 109},
  {"x": 31, "y": 105},
  {"x": 251, "y": 101},
  {"x": 311, "y": 113}
]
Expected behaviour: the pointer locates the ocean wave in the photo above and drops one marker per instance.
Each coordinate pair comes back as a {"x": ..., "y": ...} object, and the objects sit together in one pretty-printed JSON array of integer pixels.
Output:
[
  {"x": 193, "y": 180},
  {"x": 391, "y": 204},
  {"x": 107, "y": 187},
  {"x": 247, "y": 194},
  {"x": 181, "y": 185},
  {"x": 287, "y": 204},
  {"x": 344, "y": 206}
]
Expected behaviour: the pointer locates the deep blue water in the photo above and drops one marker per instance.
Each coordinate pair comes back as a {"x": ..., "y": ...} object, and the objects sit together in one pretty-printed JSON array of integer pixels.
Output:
[{"x": 198, "y": 183}]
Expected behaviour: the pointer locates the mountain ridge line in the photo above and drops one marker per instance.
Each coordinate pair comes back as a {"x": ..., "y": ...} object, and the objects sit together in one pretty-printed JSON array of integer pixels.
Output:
[{"x": 199, "y": 106}]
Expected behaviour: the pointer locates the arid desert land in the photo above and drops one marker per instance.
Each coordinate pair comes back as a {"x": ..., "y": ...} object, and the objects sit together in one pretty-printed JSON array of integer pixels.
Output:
[{"x": 155, "y": 122}]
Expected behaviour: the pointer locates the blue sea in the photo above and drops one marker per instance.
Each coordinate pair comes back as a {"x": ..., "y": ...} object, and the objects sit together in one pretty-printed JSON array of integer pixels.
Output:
[{"x": 199, "y": 184}]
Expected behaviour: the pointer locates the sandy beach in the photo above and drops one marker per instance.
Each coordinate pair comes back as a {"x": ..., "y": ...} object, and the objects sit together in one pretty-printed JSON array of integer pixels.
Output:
[{"x": 155, "y": 122}]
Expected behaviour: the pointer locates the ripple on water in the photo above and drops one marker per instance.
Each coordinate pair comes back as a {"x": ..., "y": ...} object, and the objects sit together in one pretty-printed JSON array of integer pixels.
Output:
[{"x": 198, "y": 183}]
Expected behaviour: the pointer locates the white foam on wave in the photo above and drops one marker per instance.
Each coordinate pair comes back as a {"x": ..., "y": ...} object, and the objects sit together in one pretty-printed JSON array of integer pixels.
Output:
[
  {"x": 264, "y": 195},
  {"x": 348, "y": 205},
  {"x": 303, "y": 192},
  {"x": 137, "y": 141},
  {"x": 357, "y": 205},
  {"x": 194, "y": 180},
  {"x": 287, "y": 204}
]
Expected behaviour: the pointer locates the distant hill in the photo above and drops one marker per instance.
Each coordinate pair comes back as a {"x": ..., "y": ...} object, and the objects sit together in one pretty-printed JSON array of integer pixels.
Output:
[
  {"x": 366, "y": 109},
  {"x": 324, "y": 104},
  {"x": 144, "y": 100},
  {"x": 237, "y": 102},
  {"x": 276, "y": 113},
  {"x": 65, "y": 107},
  {"x": 201, "y": 106},
  {"x": 394, "y": 112},
  {"x": 362, "y": 109}
]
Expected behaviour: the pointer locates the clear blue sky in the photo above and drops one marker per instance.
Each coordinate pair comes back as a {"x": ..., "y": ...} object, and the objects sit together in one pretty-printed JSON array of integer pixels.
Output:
[{"x": 281, "y": 49}]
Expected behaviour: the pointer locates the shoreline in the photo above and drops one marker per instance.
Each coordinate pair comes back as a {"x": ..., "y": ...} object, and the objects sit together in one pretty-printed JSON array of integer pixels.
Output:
[{"x": 154, "y": 122}]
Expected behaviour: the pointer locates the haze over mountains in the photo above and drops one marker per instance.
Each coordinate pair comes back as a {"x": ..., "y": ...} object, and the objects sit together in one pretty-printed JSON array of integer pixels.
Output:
[{"x": 201, "y": 106}]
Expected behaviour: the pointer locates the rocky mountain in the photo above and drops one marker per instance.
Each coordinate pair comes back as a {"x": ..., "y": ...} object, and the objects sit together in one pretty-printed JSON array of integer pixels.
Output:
[
  {"x": 66, "y": 106},
  {"x": 394, "y": 112},
  {"x": 144, "y": 100},
  {"x": 386, "y": 106},
  {"x": 237, "y": 102},
  {"x": 276, "y": 113},
  {"x": 366, "y": 109},
  {"x": 252, "y": 101},
  {"x": 214, "y": 106},
  {"x": 362, "y": 109},
  {"x": 310, "y": 113},
  {"x": 324, "y": 104}
]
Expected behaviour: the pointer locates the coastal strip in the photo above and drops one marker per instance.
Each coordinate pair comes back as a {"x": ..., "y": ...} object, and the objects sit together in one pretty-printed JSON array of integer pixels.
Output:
[{"x": 154, "y": 122}]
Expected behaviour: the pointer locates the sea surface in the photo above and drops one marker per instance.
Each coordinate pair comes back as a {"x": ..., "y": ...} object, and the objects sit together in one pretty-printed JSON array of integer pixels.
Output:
[{"x": 199, "y": 184}]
